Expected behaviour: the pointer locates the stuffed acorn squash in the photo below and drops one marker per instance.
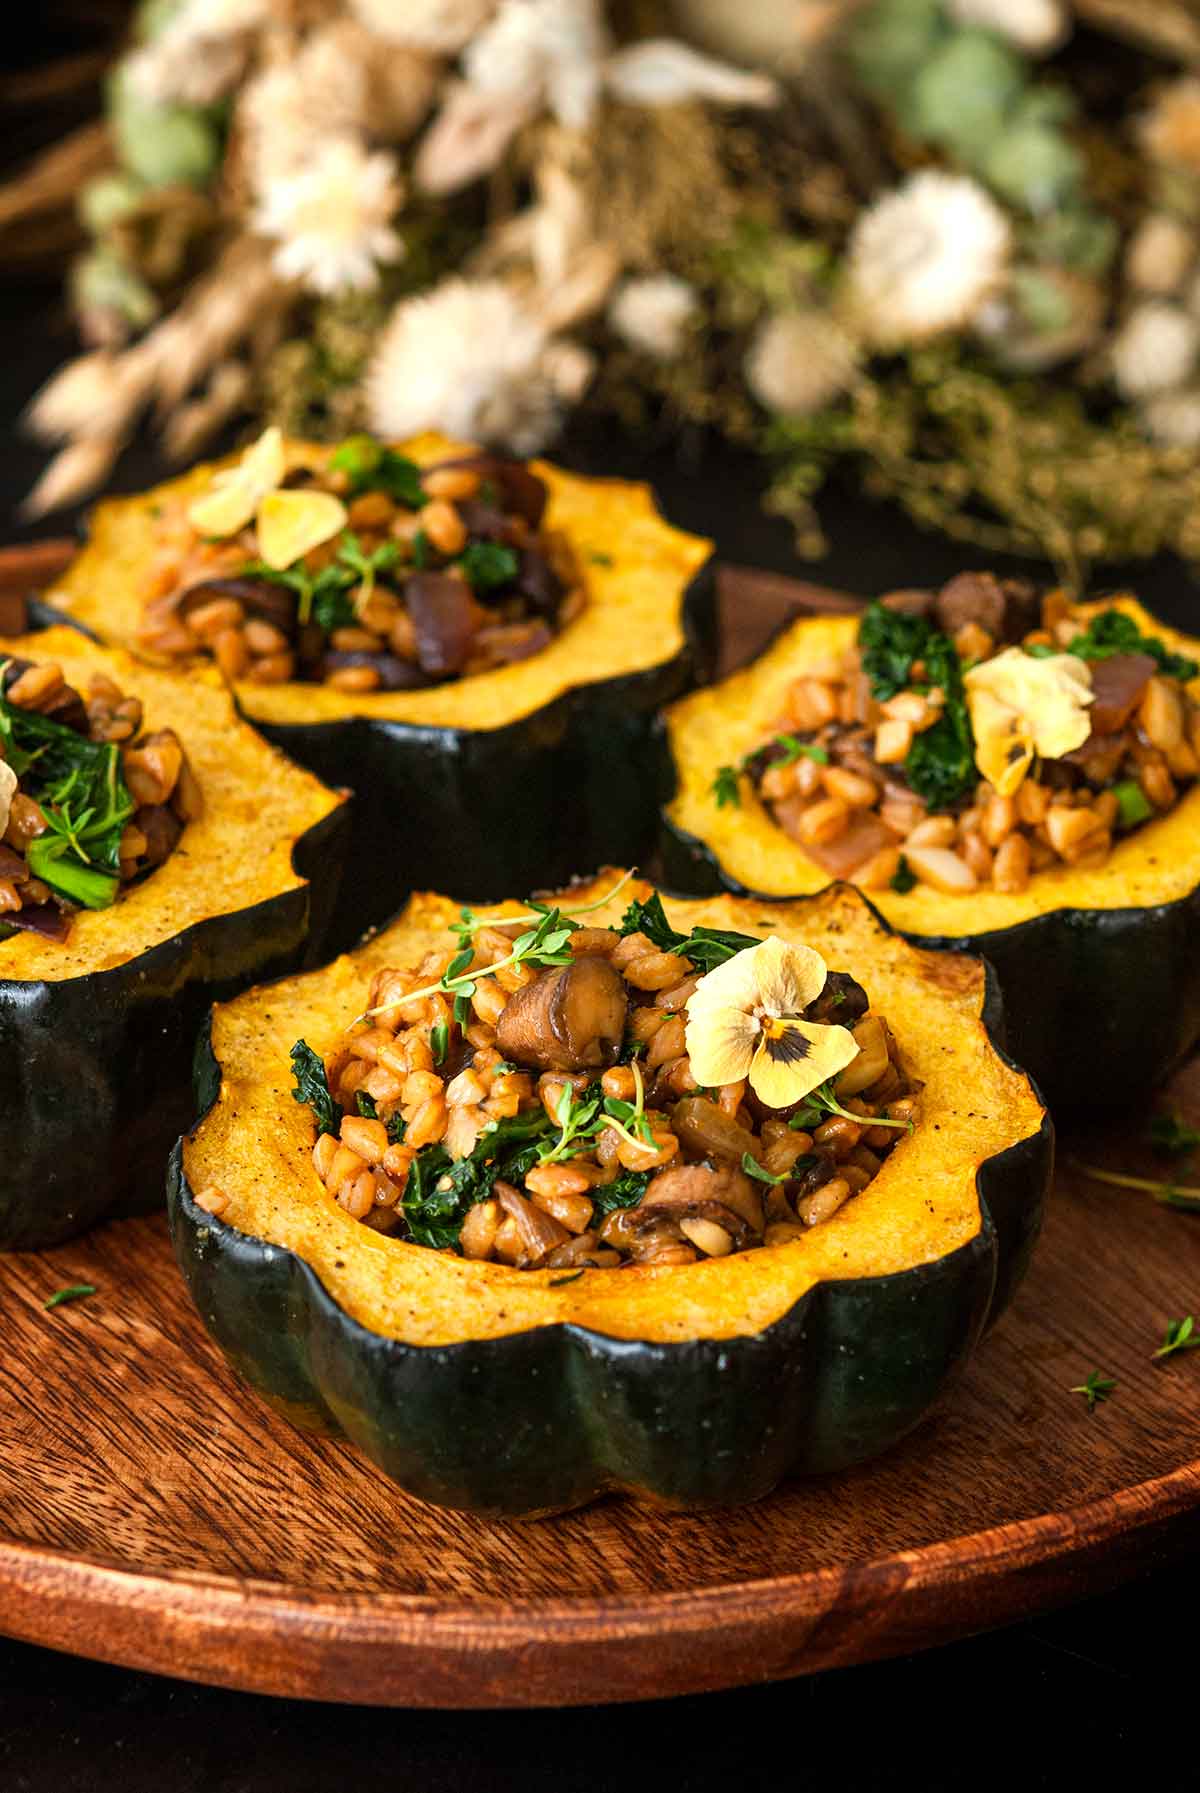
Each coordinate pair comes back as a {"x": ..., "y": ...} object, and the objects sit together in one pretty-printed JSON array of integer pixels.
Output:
[
  {"x": 464, "y": 1196},
  {"x": 476, "y": 647},
  {"x": 155, "y": 853},
  {"x": 1008, "y": 777}
]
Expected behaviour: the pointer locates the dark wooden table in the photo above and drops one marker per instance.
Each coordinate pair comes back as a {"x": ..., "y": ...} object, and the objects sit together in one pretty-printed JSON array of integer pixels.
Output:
[{"x": 1093, "y": 1693}]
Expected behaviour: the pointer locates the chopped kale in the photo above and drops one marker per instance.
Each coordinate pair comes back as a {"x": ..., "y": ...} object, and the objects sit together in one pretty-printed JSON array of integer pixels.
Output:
[
  {"x": 83, "y": 796},
  {"x": 488, "y": 565},
  {"x": 1112, "y": 632},
  {"x": 312, "y": 1087},
  {"x": 626, "y": 1191},
  {"x": 903, "y": 879},
  {"x": 940, "y": 766},
  {"x": 705, "y": 947},
  {"x": 372, "y": 467}
]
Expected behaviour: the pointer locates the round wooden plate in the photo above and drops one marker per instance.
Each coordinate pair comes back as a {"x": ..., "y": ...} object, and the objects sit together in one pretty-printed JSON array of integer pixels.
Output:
[{"x": 154, "y": 1513}]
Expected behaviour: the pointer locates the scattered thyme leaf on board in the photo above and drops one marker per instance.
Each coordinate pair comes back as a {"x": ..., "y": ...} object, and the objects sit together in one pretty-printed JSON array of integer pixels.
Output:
[
  {"x": 1179, "y": 1336},
  {"x": 1096, "y": 1389},
  {"x": 76, "y": 1291}
]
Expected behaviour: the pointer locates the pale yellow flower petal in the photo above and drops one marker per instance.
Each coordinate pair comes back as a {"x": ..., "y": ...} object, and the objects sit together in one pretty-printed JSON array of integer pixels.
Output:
[
  {"x": 733, "y": 985},
  {"x": 236, "y": 492},
  {"x": 292, "y": 523},
  {"x": 1020, "y": 705},
  {"x": 720, "y": 1044},
  {"x": 789, "y": 977},
  {"x": 794, "y": 1058}
]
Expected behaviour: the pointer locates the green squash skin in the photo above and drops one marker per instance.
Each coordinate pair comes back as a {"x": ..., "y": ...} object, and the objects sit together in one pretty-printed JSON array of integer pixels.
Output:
[
  {"x": 1099, "y": 1004},
  {"x": 97, "y": 1070},
  {"x": 548, "y": 1419},
  {"x": 484, "y": 812}
]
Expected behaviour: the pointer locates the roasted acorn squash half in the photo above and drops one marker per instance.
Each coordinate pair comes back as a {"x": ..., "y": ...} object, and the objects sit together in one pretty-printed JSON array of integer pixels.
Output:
[
  {"x": 97, "y": 1033},
  {"x": 518, "y": 1392},
  {"x": 1100, "y": 967},
  {"x": 471, "y": 784}
]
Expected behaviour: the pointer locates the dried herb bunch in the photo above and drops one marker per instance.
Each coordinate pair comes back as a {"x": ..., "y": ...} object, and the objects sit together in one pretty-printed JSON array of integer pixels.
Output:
[{"x": 938, "y": 241}]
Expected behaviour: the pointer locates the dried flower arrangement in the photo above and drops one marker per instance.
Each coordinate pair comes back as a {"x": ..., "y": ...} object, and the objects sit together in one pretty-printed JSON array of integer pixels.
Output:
[{"x": 948, "y": 241}]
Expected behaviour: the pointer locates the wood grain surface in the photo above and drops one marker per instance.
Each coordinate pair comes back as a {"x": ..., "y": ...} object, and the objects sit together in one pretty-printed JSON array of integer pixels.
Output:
[{"x": 154, "y": 1513}]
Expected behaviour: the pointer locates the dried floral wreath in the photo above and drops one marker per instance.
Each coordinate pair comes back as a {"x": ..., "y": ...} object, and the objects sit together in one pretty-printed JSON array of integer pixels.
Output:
[{"x": 953, "y": 242}]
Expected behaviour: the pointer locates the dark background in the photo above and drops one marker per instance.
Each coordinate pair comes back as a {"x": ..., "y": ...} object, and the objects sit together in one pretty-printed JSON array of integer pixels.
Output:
[{"x": 1097, "y": 1692}]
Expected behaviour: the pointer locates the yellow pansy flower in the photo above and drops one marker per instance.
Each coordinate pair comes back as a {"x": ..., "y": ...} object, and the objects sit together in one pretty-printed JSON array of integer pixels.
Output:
[
  {"x": 1021, "y": 705},
  {"x": 745, "y": 1020}
]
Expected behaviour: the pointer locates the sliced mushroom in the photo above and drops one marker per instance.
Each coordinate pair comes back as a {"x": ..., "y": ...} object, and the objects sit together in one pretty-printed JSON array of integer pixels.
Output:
[
  {"x": 842, "y": 1002},
  {"x": 700, "y": 1188},
  {"x": 570, "y": 1018},
  {"x": 539, "y": 1233},
  {"x": 442, "y": 611},
  {"x": 584, "y": 1252}
]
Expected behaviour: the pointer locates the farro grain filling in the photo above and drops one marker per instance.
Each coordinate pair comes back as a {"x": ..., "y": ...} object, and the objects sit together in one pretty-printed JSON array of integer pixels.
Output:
[
  {"x": 560, "y": 1096},
  {"x": 89, "y": 801},
  {"x": 368, "y": 574},
  {"x": 975, "y": 737}
]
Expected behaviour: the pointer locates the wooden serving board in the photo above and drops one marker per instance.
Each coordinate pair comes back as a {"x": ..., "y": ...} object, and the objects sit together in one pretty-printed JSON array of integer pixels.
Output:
[{"x": 154, "y": 1513}]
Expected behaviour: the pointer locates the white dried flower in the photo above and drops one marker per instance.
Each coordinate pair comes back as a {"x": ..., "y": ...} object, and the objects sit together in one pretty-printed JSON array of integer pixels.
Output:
[
  {"x": 652, "y": 313},
  {"x": 469, "y": 359},
  {"x": 547, "y": 50},
  {"x": 332, "y": 217},
  {"x": 924, "y": 258},
  {"x": 200, "y": 53},
  {"x": 799, "y": 362},
  {"x": 1160, "y": 252},
  {"x": 1154, "y": 350},
  {"x": 660, "y": 72},
  {"x": 1034, "y": 26},
  {"x": 443, "y": 26},
  {"x": 1173, "y": 418}
]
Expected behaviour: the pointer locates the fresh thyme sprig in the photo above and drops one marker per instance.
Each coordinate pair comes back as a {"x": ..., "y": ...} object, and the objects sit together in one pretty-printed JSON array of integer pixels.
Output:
[
  {"x": 725, "y": 786},
  {"x": 543, "y": 945},
  {"x": 469, "y": 924},
  {"x": 1179, "y": 1336},
  {"x": 1097, "y": 1388},
  {"x": 1170, "y": 1135},
  {"x": 1170, "y": 1195},
  {"x": 822, "y": 1101}
]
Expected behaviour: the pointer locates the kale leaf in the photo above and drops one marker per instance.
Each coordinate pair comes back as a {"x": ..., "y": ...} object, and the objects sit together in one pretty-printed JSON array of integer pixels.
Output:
[
  {"x": 1112, "y": 632},
  {"x": 312, "y": 1087},
  {"x": 940, "y": 766},
  {"x": 371, "y": 467},
  {"x": 705, "y": 947},
  {"x": 439, "y": 1192},
  {"x": 82, "y": 792},
  {"x": 488, "y": 565},
  {"x": 625, "y": 1191}
]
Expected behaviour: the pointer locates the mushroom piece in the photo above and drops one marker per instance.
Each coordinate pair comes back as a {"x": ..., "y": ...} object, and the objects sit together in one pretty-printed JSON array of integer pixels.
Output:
[
  {"x": 697, "y": 1188},
  {"x": 443, "y": 618},
  {"x": 842, "y": 1001},
  {"x": 570, "y": 1018},
  {"x": 539, "y": 1233}
]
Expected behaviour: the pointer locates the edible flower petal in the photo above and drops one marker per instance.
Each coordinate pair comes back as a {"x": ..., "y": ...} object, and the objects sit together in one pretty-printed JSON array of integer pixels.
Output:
[
  {"x": 235, "y": 493},
  {"x": 745, "y": 1019},
  {"x": 8, "y": 789},
  {"x": 1021, "y": 706},
  {"x": 292, "y": 523}
]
